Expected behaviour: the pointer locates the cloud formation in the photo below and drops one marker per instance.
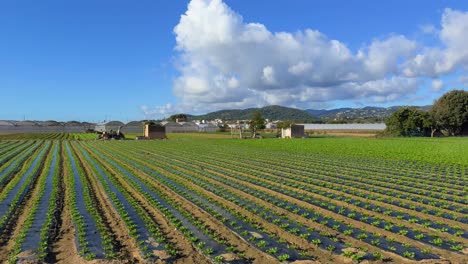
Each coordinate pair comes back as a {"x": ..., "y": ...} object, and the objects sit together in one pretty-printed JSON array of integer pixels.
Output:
[
  {"x": 225, "y": 62},
  {"x": 436, "y": 61},
  {"x": 437, "y": 85}
]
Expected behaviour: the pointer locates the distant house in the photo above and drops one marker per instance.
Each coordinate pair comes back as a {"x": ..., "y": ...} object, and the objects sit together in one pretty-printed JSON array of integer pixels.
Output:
[
  {"x": 295, "y": 131},
  {"x": 155, "y": 131},
  {"x": 270, "y": 125}
]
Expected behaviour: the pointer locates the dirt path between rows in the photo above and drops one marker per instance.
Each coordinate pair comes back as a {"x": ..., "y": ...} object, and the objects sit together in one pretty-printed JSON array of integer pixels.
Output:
[
  {"x": 187, "y": 253},
  {"x": 456, "y": 258},
  {"x": 250, "y": 252},
  {"x": 16, "y": 223},
  {"x": 380, "y": 204},
  {"x": 127, "y": 249},
  {"x": 64, "y": 250}
]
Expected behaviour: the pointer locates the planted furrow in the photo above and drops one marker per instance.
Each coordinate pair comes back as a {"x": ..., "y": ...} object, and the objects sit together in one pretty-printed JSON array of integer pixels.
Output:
[
  {"x": 15, "y": 191},
  {"x": 223, "y": 214},
  {"x": 89, "y": 243},
  {"x": 203, "y": 236},
  {"x": 36, "y": 245},
  {"x": 224, "y": 172},
  {"x": 452, "y": 227},
  {"x": 328, "y": 192},
  {"x": 145, "y": 233},
  {"x": 14, "y": 164}
]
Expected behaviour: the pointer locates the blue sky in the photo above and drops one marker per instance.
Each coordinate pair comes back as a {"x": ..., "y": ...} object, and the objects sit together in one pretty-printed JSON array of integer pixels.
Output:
[{"x": 130, "y": 60}]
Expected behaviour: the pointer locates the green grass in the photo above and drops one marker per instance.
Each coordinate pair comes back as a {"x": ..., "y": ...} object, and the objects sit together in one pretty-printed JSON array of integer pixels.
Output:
[
  {"x": 453, "y": 150},
  {"x": 450, "y": 150}
]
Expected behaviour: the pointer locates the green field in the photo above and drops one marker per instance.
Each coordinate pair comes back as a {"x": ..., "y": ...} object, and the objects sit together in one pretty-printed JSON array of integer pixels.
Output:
[
  {"x": 430, "y": 150},
  {"x": 200, "y": 198}
]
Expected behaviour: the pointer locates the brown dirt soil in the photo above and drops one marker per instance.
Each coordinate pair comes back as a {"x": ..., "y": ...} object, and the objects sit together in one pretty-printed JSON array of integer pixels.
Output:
[
  {"x": 321, "y": 254},
  {"x": 63, "y": 250},
  {"x": 213, "y": 223},
  {"x": 451, "y": 258},
  {"x": 15, "y": 225},
  {"x": 370, "y": 212},
  {"x": 455, "y": 258},
  {"x": 390, "y": 206},
  {"x": 187, "y": 252},
  {"x": 126, "y": 246}
]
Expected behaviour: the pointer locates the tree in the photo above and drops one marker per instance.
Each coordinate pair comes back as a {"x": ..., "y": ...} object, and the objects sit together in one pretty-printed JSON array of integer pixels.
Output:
[
  {"x": 450, "y": 112},
  {"x": 180, "y": 117},
  {"x": 284, "y": 124},
  {"x": 257, "y": 122},
  {"x": 409, "y": 121}
]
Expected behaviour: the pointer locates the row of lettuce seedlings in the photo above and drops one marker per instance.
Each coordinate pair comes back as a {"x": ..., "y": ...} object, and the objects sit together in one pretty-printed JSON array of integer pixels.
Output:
[
  {"x": 296, "y": 179},
  {"x": 442, "y": 175},
  {"x": 311, "y": 182},
  {"x": 403, "y": 187},
  {"x": 355, "y": 178},
  {"x": 243, "y": 225},
  {"x": 327, "y": 241},
  {"x": 431, "y": 238},
  {"x": 364, "y": 179},
  {"x": 178, "y": 217},
  {"x": 140, "y": 226},
  {"x": 206, "y": 240},
  {"x": 15, "y": 161},
  {"x": 15, "y": 191},
  {"x": 335, "y": 184},
  {"x": 293, "y": 208},
  {"x": 84, "y": 216},
  {"x": 319, "y": 165},
  {"x": 10, "y": 148},
  {"x": 35, "y": 232}
]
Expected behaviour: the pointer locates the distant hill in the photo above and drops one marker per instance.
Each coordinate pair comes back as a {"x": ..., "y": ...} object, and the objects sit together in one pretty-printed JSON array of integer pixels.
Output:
[
  {"x": 368, "y": 114},
  {"x": 359, "y": 113},
  {"x": 273, "y": 112}
]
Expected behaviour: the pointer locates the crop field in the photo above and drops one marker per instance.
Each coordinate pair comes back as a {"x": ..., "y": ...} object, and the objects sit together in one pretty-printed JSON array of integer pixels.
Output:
[{"x": 202, "y": 199}]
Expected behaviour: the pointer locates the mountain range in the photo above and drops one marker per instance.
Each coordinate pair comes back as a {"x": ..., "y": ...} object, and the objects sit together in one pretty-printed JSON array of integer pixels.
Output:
[{"x": 276, "y": 112}]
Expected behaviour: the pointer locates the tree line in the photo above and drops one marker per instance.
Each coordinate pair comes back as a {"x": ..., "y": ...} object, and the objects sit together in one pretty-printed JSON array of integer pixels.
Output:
[{"x": 449, "y": 114}]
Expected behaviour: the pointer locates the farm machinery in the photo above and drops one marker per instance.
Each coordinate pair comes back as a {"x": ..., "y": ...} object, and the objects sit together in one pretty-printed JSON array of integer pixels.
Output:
[{"x": 111, "y": 135}]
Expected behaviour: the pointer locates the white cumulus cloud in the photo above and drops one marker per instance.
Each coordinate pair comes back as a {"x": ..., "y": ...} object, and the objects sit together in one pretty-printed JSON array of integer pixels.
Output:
[
  {"x": 165, "y": 110},
  {"x": 437, "y": 85},
  {"x": 226, "y": 62},
  {"x": 436, "y": 61}
]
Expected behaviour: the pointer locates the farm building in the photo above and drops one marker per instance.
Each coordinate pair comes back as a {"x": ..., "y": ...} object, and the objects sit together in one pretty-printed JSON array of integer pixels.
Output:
[
  {"x": 6, "y": 126},
  {"x": 40, "y": 127},
  {"x": 376, "y": 126},
  {"x": 108, "y": 126},
  {"x": 207, "y": 127},
  {"x": 189, "y": 127},
  {"x": 295, "y": 131},
  {"x": 26, "y": 123},
  {"x": 75, "y": 126},
  {"x": 49, "y": 123},
  {"x": 133, "y": 127},
  {"x": 171, "y": 126},
  {"x": 6, "y": 123},
  {"x": 155, "y": 131}
]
